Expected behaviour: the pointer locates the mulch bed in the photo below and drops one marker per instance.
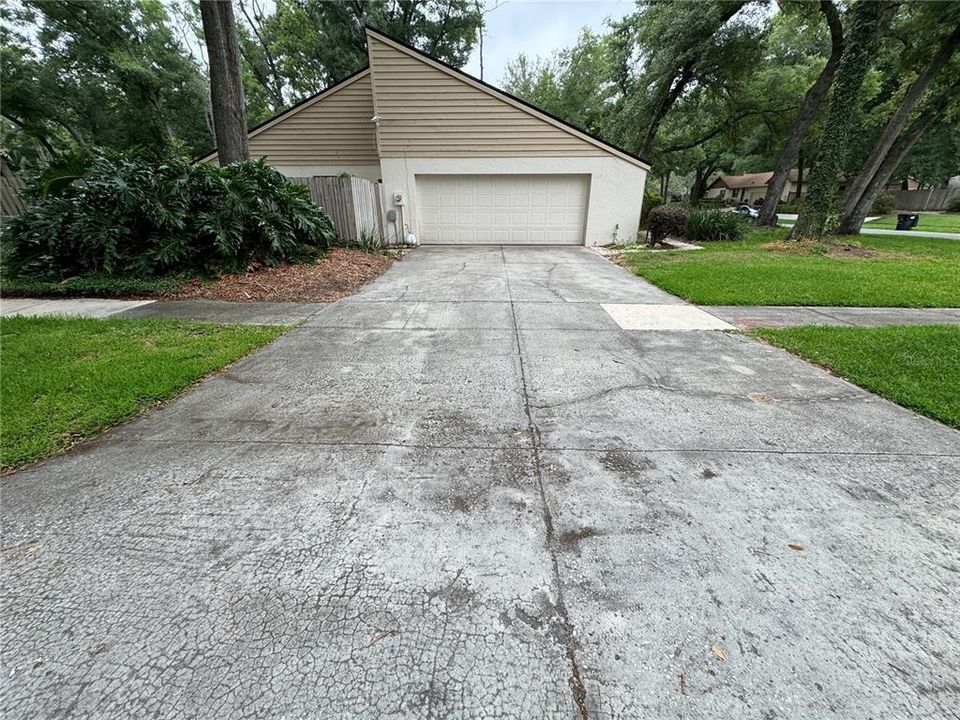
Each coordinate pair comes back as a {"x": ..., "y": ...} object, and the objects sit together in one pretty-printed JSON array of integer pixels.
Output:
[{"x": 337, "y": 274}]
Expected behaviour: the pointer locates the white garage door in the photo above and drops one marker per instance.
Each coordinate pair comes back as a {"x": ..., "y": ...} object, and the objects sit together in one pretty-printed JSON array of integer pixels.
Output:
[{"x": 507, "y": 209}]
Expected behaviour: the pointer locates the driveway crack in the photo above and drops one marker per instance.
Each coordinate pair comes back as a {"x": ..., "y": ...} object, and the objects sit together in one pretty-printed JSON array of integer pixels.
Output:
[{"x": 575, "y": 681}]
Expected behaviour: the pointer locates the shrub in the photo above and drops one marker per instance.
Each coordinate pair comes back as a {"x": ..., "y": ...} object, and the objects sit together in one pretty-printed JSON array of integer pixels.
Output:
[
  {"x": 714, "y": 225},
  {"x": 133, "y": 216},
  {"x": 954, "y": 205},
  {"x": 666, "y": 221},
  {"x": 650, "y": 201},
  {"x": 885, "y": 203},
  {"x": 791, "y": 206}
]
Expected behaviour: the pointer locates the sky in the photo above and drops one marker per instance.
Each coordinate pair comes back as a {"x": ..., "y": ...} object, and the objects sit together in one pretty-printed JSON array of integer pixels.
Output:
[{"x": 537, "y": 28}]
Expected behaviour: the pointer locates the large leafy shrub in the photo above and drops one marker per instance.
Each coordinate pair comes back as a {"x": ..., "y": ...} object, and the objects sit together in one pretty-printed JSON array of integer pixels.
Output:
[
  {"x": 714, "y": 225},
  {"x": 128, "y": 215},
  {"x": 954, "y": 205},
  {"x": 666, "y": 221},
  {"x": 885, "y": 203}
]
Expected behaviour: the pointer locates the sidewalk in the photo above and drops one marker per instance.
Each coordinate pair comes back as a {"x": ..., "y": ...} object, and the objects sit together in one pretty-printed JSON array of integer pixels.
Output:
[
  {"x": 75, "y": 307},
  {"x": 747, "y": 317},
  {"x": 252, "y": 313},
  {"x": 787, "y": 220}
]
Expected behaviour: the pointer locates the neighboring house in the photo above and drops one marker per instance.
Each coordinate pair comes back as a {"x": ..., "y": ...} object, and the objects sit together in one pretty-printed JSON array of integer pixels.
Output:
[
  {"x": 753, "y": 187},
  {"x": 460, "y": 161},
  {"x": 750, "y": 187}
]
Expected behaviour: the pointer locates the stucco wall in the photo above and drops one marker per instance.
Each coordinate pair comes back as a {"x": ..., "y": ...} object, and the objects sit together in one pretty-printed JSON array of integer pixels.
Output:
[
  {"x": 370, "y": 172},
  {"x": 616, "y": 187}
]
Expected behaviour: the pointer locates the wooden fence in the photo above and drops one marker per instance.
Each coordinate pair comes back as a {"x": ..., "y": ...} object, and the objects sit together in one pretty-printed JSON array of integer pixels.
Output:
[
  {"x": 937, "y": 199},
  {"x": 11, "y": 201},
  {"x": 355, "y": 205}
]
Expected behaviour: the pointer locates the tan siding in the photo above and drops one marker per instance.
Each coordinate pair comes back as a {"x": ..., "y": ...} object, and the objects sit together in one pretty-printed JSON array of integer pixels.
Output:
[
  {"x": 428, "y": 113},
  {"x": 335, "y": 129}
]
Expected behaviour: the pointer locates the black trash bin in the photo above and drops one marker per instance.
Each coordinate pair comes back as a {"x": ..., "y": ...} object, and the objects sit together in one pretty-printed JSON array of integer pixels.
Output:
[{"x": 907, "y": 221}]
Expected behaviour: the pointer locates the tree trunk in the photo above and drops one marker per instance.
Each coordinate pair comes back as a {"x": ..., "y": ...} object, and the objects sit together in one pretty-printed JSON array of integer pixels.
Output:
[
  {"x": 809, "y": 110},
  {"x": 699, "y": 188},
  {"x": 853, "y": 220},
  {"x": 892, "y": 131},
  {"x": 866, "y": 24},
  {"x": 226, "y": 84}
]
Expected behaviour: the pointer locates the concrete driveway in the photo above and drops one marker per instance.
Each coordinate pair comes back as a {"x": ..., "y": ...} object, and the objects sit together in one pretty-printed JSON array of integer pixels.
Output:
[{"x": 467, "y": 492}]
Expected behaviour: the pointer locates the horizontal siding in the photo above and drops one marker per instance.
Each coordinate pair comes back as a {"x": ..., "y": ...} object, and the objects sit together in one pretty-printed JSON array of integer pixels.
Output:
[
  {"x": 427, "y": 113},
  {"x": 336, "y": 129}
]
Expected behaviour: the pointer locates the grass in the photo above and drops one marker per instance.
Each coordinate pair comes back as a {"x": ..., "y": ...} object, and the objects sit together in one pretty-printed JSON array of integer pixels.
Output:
[
  {"x": 900, "y": 272},
  {"x": 933, "y": 222},
  {"x": 915, "y": 366},
  {"x": 67, "y": 379},
  {"x": 103, "y": 286}
]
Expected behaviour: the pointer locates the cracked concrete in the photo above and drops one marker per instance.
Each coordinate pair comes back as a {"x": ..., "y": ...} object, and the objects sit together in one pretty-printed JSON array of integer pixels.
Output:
[{"x": 466, "y": 492}]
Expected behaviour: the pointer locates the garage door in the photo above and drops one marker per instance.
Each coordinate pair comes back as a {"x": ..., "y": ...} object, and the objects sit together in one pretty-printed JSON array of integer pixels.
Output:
[{"x": 508, "y": 209}]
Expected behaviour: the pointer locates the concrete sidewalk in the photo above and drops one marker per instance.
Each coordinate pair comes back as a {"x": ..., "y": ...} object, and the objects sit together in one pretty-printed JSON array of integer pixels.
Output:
[
  {"x": 895, "y": 233},
  {"x": 217, "y": 311},
  {"x": 74, "y": 307},
  {"x": 772, "y": 316}
]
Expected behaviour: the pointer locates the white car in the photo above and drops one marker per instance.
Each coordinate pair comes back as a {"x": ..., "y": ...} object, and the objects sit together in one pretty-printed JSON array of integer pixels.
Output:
[{"x": 747, "y": 211}]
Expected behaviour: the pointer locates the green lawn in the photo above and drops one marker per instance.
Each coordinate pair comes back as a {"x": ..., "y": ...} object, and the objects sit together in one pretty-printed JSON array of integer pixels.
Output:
[
  {"x": 934, "y": 222},
  {"x": 915, "y": 366},
  {"x": 897, "y": 272},
  {"x": 66, "y": 379}
]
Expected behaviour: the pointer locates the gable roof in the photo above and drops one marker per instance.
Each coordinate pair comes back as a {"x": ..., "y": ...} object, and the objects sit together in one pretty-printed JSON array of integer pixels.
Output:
[
  {"x": 750, "y": 180},
  {"x": 480, "y": 85},
  {"x": 506, "y": 97},
  {"x": 298, "y": 107}
]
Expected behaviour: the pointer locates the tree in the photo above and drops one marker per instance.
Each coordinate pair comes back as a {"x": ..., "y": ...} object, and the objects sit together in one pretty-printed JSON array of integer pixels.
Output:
[
  {"x": 867, "y": 21},
  {"x": 946, "y": 99},
  {"x": 855, "y": 206},
  {"x": 301, "y": 46},
  {"x": 574, "y": 84},
  {"x": 809, "y": 111},
  {"x": 226, "y": 83},
  {"x": 672, "y": 41},
  {"x": 111, "y": 74}
]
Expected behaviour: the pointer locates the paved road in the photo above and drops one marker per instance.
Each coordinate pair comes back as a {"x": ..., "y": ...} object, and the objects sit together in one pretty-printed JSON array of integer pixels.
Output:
[{"x": 467, "y": 492}]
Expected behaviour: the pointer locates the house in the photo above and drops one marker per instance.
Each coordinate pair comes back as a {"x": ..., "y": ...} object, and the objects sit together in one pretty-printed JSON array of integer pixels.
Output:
[
  {"x": 460, "y": 161},
  {"x": 752, "y": 187}
]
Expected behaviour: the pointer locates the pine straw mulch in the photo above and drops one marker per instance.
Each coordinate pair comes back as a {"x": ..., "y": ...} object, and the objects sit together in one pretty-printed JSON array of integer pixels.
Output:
[{"x": 337, "y": 274}]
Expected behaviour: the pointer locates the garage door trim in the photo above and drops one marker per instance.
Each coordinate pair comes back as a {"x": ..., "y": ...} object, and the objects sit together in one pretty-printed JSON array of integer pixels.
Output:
[{"x": 502, "y": 208}]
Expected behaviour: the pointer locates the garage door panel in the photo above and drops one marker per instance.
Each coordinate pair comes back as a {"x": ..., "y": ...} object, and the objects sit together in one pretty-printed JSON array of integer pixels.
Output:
[{"x": 502, "y": 209}]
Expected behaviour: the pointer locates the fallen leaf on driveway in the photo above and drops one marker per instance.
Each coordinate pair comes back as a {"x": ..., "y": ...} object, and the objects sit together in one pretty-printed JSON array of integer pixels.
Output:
[
  {"x": 795, "y": 546},
  {"x": 718, "y": 652}
]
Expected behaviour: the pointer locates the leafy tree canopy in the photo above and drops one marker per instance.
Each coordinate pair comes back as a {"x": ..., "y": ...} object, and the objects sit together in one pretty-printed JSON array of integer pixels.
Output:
[{"x": 84, "y": 73}]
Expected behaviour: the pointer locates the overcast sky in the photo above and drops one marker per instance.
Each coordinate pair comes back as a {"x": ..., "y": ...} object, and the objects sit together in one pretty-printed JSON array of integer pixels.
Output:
[{"x": 537, "y": 27}]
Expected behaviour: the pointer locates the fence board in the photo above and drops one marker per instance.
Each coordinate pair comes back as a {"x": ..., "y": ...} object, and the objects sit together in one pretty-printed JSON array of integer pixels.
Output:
[
  {"x": 354, "y": 205},
  {"x": 11, "y": 200},
  {"x": 925, "y": 199}
]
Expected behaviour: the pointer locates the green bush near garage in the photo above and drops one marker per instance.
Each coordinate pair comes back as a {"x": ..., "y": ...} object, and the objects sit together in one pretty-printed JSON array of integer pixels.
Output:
[{"x": 129, "y": 215}]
